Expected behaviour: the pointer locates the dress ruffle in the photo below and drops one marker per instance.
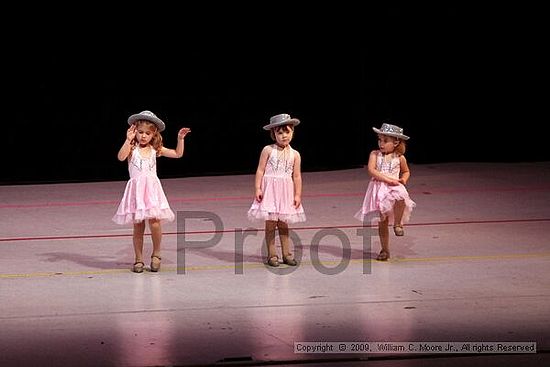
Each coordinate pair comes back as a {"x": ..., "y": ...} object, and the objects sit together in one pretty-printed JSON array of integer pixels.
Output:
[{"x": 256, "y": 215}]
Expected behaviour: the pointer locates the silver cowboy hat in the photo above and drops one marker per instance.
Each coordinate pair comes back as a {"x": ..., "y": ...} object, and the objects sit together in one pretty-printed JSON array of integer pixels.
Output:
[
  {"x": 282, "y": 119},
  {"x": 149, "y": 116},
  {"x": 391, "y": 130}
]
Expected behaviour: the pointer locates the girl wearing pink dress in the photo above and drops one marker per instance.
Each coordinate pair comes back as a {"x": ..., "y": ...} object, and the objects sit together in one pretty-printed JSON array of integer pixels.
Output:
[
  {"x": 144, "y": 198},
  {"x": 278, "y": 188},
  {"x": 387, "y": 200}
]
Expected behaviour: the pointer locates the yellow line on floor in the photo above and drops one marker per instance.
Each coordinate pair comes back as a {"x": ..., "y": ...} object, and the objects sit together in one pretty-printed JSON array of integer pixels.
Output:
[
  {"x": 168, "y": 269},
  {"x": 466, "y": 258}
]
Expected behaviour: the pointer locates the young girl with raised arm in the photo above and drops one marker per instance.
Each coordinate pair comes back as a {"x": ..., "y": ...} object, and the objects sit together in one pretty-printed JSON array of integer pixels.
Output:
[{"x": 144, "y": 198}]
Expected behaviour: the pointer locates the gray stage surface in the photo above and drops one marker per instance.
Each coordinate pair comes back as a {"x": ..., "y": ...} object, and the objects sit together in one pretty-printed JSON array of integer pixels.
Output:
[{"x": 473, "y": 267}]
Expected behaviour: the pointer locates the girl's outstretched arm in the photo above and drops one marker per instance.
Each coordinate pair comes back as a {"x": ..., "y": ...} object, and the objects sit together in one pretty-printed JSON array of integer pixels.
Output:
[
  {"x": 126, "y": 148},
  {"x": 264, "y": 156},
  {"x": 297, "y": 178},
  {"x": 178, "y": 152}
]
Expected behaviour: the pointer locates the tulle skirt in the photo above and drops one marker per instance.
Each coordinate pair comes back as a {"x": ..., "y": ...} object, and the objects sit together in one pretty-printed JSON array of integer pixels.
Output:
[
  {"x": 277, "y": 202},
  {"x": 143, "y": 199},
  {"x": 379, "y": 201}
]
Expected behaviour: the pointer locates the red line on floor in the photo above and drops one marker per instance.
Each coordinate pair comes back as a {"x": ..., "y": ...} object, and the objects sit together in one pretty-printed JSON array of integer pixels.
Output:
[{"x": 72, "y": 237}]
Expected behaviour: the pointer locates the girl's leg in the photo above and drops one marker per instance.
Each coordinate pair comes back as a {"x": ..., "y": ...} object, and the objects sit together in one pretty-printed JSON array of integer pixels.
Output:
[
  {"x": 139, "y": 229},
  {"x": 285, "y": 243},
  {"x": 270, "y": 226},
  {"x": 156, "y": 236},
  {"x": 398, "y": 210},
  {"x": 384, "y": 235}
]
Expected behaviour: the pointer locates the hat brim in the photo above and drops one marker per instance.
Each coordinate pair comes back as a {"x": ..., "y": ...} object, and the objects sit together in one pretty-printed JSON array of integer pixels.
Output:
[
  {"x": 154, "y": 120},
  {"x": 395, "y": 135},
  {"x": 293, "y": 122}
]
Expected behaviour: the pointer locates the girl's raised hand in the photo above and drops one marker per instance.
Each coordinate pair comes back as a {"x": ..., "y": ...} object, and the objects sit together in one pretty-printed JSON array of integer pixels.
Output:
[
  {"x": 131, "y": 133},
  {"x": 183, "y": 131}
]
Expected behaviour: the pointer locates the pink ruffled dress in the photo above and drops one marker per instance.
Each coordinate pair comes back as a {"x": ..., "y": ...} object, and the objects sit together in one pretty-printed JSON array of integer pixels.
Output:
[
  {"x": 143, "y": 197},
  {"x": 278, "y": 191},
  {"x": 380, "y": 197}
]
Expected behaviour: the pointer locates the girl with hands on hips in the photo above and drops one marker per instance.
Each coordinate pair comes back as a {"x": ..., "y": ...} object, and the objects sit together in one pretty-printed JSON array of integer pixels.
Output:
[{"x": 387, "y": 199}]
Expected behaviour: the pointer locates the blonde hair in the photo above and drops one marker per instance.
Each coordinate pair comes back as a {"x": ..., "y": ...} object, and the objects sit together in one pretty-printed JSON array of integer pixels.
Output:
[
  {"x": 401, "y": 147},
  {"x": 287, "y": 128},
  {"x": 156, "y": 140}
]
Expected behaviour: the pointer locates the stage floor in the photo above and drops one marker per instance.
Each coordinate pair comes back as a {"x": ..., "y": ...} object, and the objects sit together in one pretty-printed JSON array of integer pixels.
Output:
[{"x": 473, "y": 266}]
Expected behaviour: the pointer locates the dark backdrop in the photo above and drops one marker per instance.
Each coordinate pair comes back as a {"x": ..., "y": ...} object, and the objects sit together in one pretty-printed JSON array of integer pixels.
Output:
[{"x": 458, "y": 80}]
